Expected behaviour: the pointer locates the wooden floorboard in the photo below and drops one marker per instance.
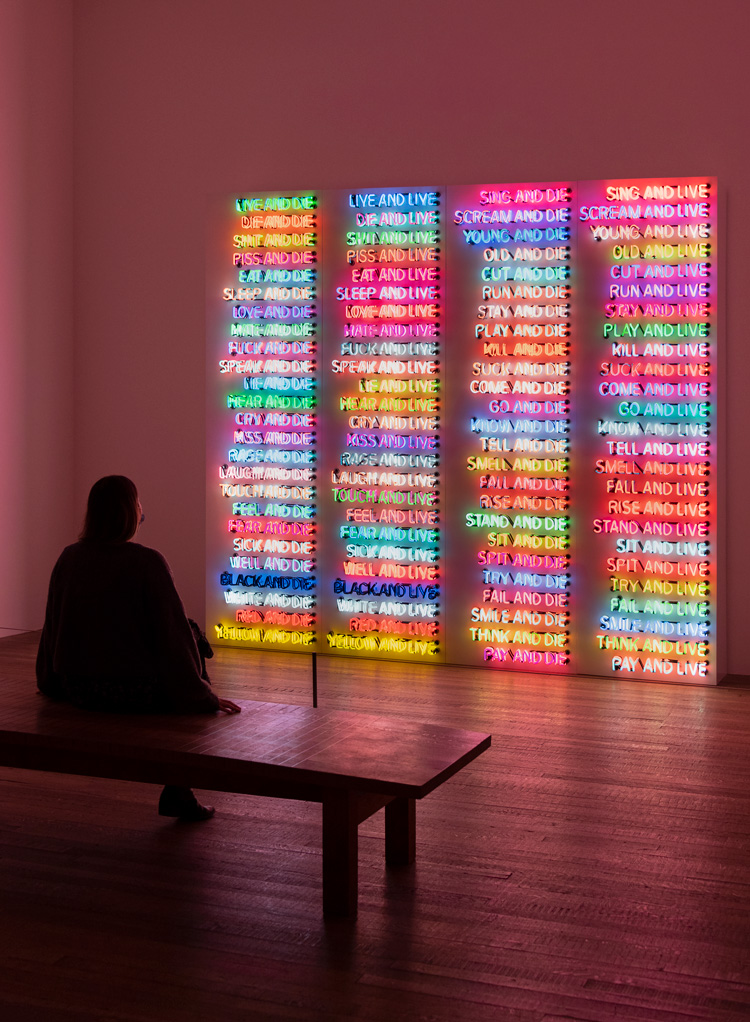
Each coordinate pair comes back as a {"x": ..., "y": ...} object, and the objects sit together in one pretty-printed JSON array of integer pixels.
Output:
[{"x": 593, "y": 865}]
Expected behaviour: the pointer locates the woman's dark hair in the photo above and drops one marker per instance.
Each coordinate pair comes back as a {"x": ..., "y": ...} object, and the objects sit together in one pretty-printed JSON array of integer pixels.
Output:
[{"x": 112, "y": 511}]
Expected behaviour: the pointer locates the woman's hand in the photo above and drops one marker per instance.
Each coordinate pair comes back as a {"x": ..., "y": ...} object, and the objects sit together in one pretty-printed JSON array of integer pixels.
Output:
[{"x": 227, "y": 706}]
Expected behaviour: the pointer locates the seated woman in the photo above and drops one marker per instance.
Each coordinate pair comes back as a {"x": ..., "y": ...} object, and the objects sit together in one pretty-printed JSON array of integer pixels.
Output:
[{"x": 115, "y": 633}]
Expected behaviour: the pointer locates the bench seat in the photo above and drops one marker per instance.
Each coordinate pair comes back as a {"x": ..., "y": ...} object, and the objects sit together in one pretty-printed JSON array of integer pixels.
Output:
[{"x": 353, "y": 764}]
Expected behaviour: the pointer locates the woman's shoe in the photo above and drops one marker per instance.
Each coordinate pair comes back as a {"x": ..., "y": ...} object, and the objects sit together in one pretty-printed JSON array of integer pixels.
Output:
[{"x": 182, "y": 804}]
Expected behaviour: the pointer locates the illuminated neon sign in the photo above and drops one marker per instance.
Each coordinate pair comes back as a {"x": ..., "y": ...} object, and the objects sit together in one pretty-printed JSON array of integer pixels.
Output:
[
  {"x": 649, "y": 249},
  {"x": 473, "y": 425}
]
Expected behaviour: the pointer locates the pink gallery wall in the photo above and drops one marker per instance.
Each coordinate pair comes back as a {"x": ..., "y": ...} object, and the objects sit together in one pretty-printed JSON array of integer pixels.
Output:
[
  {"x": 176, "y": 101},
  {"x": 36, "y": 321}
]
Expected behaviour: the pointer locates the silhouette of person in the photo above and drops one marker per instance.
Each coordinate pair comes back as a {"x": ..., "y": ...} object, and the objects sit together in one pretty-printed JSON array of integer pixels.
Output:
[{"x": 116, "y": 636}]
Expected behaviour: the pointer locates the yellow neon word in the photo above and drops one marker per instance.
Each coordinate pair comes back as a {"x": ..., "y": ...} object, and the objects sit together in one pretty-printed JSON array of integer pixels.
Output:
[
  {"x": 274, "y": 635},
  {"x": 375, "y": 642}
]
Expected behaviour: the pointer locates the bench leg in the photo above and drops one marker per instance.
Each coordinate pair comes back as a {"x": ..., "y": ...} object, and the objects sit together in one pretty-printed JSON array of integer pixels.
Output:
[
  {"x": 340, "y": 824},
  {"x": 400, "y": 832}
]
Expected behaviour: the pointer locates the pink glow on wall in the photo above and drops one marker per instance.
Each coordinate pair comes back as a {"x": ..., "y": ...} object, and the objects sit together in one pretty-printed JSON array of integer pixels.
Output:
[
  {"x": 36, "y": 342},
  {"x": 160, "y": 123}
]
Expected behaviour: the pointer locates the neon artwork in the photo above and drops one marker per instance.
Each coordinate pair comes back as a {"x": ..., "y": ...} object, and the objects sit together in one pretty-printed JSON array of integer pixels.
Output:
[
  {"x": 383, "y": 397},
  {"x": 512, "y": 296},
  {"x": 472, "y": 425},
  {"x": 265, "y": 453},
  {"x": 650, "y": 248}
]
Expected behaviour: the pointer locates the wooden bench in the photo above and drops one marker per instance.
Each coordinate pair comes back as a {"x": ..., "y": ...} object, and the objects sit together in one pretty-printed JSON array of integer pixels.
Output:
[{"x": 352, "y": 763}]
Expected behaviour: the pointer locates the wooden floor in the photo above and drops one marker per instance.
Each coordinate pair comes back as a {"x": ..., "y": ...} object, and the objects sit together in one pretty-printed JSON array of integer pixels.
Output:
[{"x": 594, "y": 864}]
